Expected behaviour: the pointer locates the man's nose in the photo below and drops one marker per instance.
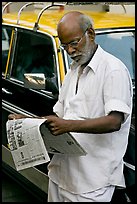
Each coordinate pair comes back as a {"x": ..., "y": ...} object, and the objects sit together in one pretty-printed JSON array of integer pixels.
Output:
[{"x": 70, "y": 50}]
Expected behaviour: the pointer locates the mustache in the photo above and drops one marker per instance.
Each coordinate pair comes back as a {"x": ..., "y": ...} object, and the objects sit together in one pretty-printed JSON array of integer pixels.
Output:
[
  {"x": 80, "y": 54},
  {"x": 74, "y": 56}
]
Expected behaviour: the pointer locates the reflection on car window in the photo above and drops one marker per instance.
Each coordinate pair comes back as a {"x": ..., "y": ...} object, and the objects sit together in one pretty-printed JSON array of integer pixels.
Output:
[
  {"x": 122, "y": 45},
  {"x": 6, "y": 35},
  {"x": 33, "y": 54}
]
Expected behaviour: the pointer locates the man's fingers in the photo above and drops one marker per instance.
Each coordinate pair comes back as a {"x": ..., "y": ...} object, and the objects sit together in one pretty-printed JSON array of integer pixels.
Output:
[
  {"x": 11, "y": 116},
  {"x": 15, "y": 116}
]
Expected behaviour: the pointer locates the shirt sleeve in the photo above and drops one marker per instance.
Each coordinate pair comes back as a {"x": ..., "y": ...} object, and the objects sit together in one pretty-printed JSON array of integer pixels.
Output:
[
  {"x": 58, "y": 109},
  {"x": 118, "y": 92}
]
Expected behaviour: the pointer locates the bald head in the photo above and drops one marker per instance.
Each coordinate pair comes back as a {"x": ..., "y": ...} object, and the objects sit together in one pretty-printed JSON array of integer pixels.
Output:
[{"x": 73, "y": 22}]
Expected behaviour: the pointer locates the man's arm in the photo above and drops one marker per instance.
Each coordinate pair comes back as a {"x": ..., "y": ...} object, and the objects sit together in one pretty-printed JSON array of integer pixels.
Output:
[{"x": 104, "y": 124}]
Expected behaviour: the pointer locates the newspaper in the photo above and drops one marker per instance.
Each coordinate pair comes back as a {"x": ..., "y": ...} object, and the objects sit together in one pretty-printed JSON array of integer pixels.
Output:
[
  {"x": 30, "y": 141},
  {"x": 25, "y": 142}
]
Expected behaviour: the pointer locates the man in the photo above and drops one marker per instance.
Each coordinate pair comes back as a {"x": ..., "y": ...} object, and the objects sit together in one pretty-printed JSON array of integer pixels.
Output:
[{"x": 95, "y": 104}]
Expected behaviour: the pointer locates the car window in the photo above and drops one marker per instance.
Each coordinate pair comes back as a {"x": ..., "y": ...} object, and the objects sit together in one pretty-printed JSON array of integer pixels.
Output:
[
  {"x": 6, "y": 36},
  {"x": 121, "y": 45},
  {"x": 33, "y": 54}
]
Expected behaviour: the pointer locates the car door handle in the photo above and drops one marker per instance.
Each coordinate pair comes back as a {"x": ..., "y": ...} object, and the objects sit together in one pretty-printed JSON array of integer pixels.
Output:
[{"x": 6, "y": 91}]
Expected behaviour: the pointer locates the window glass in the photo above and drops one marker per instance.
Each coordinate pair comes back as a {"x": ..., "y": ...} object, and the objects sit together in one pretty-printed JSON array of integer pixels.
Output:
[
  {"x": 6, "y": 36},
  {"x": 33, "y": 54},
  {"x": 122, "y": 45}
]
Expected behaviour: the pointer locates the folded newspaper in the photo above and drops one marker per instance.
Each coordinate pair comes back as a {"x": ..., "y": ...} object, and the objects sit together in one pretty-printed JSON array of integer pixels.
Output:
[{"x": 30, "y": 141}]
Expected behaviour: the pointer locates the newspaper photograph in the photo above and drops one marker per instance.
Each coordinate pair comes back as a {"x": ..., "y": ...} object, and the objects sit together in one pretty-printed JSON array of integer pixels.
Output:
[{"x": 25, "y": 142}]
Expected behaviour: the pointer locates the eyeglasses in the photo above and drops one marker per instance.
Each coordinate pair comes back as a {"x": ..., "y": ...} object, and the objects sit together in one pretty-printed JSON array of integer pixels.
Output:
[{"x": 73, "y": 44}]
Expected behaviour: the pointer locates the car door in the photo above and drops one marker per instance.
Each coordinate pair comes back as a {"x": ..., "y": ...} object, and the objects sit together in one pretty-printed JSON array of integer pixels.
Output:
[
  {"x": 30, "y": 53},
  {"x": 27, "y": 52}
]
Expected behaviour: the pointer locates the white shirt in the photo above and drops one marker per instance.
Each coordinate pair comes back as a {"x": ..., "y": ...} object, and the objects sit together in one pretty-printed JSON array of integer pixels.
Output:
[{"x": 104, "y": 86}]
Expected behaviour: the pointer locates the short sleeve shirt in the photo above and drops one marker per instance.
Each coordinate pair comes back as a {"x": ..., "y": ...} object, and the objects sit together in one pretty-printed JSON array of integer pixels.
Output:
[{"x": 104, "y": 86}]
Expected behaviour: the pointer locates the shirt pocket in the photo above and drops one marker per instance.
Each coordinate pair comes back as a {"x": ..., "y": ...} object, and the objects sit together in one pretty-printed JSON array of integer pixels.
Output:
[
  {"x": 82, "y": 106},
  {"x": 93, "y": 105}
]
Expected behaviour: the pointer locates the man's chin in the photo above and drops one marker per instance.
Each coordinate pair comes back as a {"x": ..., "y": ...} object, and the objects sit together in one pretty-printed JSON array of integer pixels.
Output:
[{"x": 78, "y": 61}]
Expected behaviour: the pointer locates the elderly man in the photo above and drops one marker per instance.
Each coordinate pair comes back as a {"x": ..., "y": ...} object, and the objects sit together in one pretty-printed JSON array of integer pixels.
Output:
[{"x": 95, "y": 105}]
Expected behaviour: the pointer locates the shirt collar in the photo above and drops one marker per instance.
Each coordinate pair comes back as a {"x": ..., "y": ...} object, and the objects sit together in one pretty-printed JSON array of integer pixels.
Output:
[{"x": 93, "y": 64}]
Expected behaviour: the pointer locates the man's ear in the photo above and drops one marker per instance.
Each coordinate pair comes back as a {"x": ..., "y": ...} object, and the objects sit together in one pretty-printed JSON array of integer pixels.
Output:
[{"x": 91, "y": 33}]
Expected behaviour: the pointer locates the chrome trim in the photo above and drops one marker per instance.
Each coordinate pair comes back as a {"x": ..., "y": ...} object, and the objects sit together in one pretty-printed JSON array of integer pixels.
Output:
[
  {"x": 25, "y": 6},
  {"x": 5, "y": 6},
  {"x": 130, "y": 166},
  {"x": 36, "y": 26},
  {"x": 6, "y": 91},
  {"x": 108, "y": 30},
  {"x": 14, "y": 109}
]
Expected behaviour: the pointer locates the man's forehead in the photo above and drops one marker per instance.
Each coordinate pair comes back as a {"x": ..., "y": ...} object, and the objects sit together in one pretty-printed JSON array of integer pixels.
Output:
[
  {"x": 69, "y": 26},
  {"x": 69, "y": 32}
]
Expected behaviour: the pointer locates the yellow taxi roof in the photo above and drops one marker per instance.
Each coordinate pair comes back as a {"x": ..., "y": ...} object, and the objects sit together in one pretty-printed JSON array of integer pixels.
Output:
[{"x": 49, "y": 19}]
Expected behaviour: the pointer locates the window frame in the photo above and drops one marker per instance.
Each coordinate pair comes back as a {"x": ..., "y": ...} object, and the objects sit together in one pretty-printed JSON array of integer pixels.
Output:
[{"x": 17, "y": 29}]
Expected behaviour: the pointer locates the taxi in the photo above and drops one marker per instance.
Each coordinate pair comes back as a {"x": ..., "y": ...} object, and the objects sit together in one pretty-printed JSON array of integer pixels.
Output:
[{"x": 30, "y": 45}]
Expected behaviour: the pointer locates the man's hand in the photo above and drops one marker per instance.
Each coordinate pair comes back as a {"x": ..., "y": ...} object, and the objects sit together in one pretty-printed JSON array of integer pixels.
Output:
[{"x": 56, "y": 125}]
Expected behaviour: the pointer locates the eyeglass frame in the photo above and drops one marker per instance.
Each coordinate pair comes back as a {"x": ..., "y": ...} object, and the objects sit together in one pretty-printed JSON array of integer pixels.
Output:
[{"x": 65, "y": 46}]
